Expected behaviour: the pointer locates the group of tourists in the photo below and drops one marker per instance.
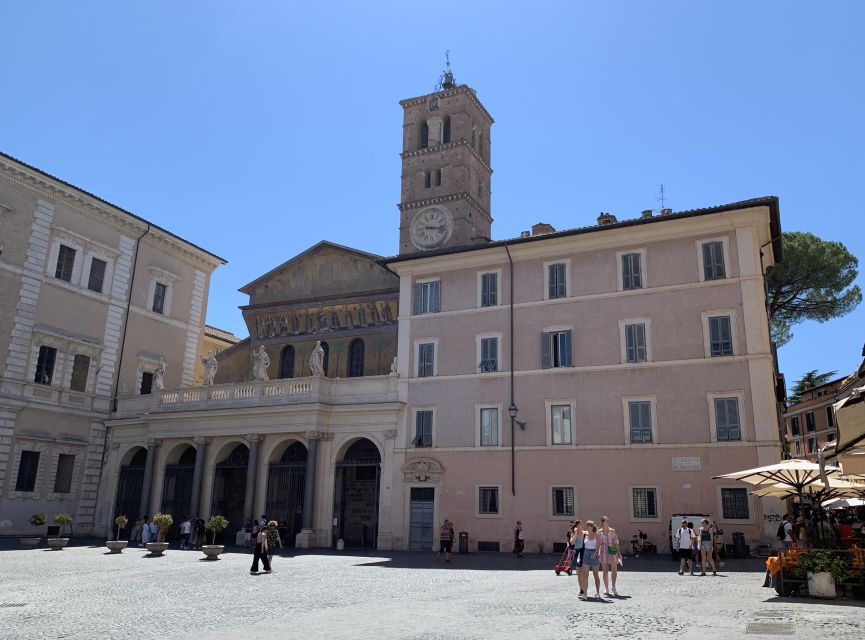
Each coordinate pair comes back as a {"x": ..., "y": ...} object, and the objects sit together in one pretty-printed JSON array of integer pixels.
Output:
[
  {"x": 595, "y": 548},
  {"x": 192, "y": 532},
  {"x": 267, "y": 540},
  {"x": 834, "y": 529},
  {"x": 696, "y": 546}
]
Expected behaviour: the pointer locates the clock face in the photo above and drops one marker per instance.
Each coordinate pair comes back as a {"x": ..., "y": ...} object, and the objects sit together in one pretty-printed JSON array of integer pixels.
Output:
[{"x": 431, "y": 228}]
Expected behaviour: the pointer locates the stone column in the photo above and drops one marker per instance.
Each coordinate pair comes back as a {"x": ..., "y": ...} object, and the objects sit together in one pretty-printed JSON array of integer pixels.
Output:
[
  {"x": 385, "y": 496},
  {"x": 198, "y": 476},
  {"x": 147, "y": 483},
  {"x": 305, "y": 539},
  {"x": 251, "y": 475}
]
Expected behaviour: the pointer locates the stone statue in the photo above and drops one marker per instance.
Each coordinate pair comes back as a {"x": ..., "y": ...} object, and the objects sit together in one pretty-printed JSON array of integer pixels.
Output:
[
  {"x": 159, "y": 375},
  {"x": 393, "y": 370},
  {"x": 316, "y": 360},
  {"x": 210, "y": 366},
  {"x": 261, "y": 361}
]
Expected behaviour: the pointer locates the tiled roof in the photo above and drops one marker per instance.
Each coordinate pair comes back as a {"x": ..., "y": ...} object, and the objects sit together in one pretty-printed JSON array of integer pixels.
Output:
[{"x": 220, "y": 334}]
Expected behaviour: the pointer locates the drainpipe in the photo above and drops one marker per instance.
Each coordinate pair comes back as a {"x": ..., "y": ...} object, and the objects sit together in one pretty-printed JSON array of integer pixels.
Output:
[{"x": 512, "y": 408}]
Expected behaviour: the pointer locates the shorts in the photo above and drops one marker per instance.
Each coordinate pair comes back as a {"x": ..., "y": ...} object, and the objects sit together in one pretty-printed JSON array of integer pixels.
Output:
[
  {"x": 686, "y": 554},
  {"x": 706, "y": 545},
  {"x": 445, "y": 546},
  {"x": 591, "y": 558}
]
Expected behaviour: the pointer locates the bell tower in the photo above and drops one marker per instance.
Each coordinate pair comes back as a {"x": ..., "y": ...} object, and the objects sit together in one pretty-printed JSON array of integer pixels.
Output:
[{"x": 445, "y": 194}]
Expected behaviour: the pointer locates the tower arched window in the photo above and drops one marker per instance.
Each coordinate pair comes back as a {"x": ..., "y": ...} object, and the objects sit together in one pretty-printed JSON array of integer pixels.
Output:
[
  {"x": 286, "y": 362},
  {"x": 438, "y": 177},
  {"x": 355, "y": 358},
  {"x": 326, "y": 358},
  {"x": 446, "y": 130},
  {"x": 424, "y": 135}
]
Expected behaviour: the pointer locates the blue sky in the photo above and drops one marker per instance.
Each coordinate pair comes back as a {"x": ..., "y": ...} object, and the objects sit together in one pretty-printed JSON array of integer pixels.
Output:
[{"x": 256, "y": 129}]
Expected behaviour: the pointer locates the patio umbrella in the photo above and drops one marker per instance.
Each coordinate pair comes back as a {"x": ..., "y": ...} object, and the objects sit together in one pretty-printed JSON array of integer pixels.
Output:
[
  {"x": 795, "y": 474},
  {"x": 843, "y": 503},
  {"x": 817, "y": 491}
]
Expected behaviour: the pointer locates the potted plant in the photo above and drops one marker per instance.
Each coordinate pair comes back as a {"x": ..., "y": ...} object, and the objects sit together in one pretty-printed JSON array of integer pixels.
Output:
[
  {"x": 164, "y": 522},
  {"x": 215, "y": 524},
  {"x": 824, "y": 571},
  {"x": 36, "y": 520},
  {"x": 61, "y": 519},
  {"x": 117, "y": 545}
]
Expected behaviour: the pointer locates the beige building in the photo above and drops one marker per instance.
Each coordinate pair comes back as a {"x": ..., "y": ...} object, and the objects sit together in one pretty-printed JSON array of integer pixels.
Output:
[
  {"x": 810, "y": 423},
  {"x": 213, "y": 341},
  {"x": 92, "y": 297}
]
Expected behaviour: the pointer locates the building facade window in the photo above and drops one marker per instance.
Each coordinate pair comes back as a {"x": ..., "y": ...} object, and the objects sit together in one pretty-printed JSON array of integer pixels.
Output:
[
  {"x": 727, "y": 424},
  {"x": 426, "y": 359},
  {"x": 158, "y": 305},
  {"x": 427, "y": 297},
  {"x": 489, "y": 289},
  {"x": 561, "y": 431},
  {"x": 810, "y": 425},
  {"x": 446, "y": 129},
  {"x": 798, "y": 447},
  {"x": 720, "y": 336},
  {"x": 564, "y": 503},
  {"x": 488, "y": 500},
  {"x": 325, "y": 361},
  {"x": 632, "y": 276},
  {"x": 423, "y": 428},
  {"x": 640, "y": 421},
  {"x": 80, "y": 371},
  {"x": 63, "y": 477},
  {"x": 437, "y": 175},
  {"x": 794, "y": 426},
  {"x": 557, "y": 282},
  {"x": 146, "y": 383},
  {"x": 635, "y": 342},
  {"x": 734, "y": 504},
  {"x": 830, "y": 416},
  {"x": 489, "y": 427},
  {"x": 355, "y": 358},
  {"x": 96, "y": 280},
  {"x": 489, "y": 355},
  {"x": 286, "y": 362},
  {"x": 65, "y": 263},
  {"x": 45, "y": 365},
  {"x": 830, "y": 435},
  {"x": 28, "y": 467},
  {"x": 812, "y": 444},
  {"x": 713, "y": 261},
  {"x": 556, "y": 349},
  {"x": 644, "y": 502}
]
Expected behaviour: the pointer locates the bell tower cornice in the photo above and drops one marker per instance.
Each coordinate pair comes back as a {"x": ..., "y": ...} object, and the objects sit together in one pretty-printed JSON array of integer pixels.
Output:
[
  {"x": 448, "y": 145},
  {"x": 419, "y": 204},
  {"x": 461, "y": 89}
]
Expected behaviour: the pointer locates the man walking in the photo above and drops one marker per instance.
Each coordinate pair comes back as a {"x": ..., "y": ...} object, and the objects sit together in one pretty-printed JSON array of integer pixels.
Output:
[
  {"x": 446, "y": 540},
  {"x": 185, "y": 532},
  {"x": 684, "y": 543},
  {"x": 519, "y": 540}
]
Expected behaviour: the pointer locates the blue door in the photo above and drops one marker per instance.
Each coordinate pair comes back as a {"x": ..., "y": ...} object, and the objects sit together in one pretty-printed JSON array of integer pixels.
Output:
[{"x": 421, "y": 519}]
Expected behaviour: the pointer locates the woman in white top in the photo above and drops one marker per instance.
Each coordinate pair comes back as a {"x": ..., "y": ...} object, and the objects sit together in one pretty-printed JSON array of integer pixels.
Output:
[
  {"x": 591, "y": 559},
  {"x": 576, "y": 540}
]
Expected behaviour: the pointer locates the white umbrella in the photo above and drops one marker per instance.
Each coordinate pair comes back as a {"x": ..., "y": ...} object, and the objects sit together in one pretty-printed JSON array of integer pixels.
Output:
[
  {"x": 837, "y": 488},
  {"x": 843, "y": 503},
  {"x": 795, "y": 474}
]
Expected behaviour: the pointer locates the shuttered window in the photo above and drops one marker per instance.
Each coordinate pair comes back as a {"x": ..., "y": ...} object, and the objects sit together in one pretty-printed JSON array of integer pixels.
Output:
[
  {"x": 427, "y": 297},
  {"x": 80, "y": 369},
  {"x": 727, "y": 425},
  {"x": 425, "y": 359},
  {"x": 640, "y": 420},
  {"x": 97, "y": 275},
  {"x": 63, "y": 479},
  {"x": 713, "y": 261},
  {"x": 65, "y": 263},
  {"x": 556, "y": 349},
  {"x": 423, "y": 429},
  {"x": 632, "y": 278},
  {"x": 720, "y": 336},
  {"x": 635, "y": 342},
  {"x": 557, "y": 281},
  {"x": 489, "y": 289},
  {"x": 489, "y": 355}
]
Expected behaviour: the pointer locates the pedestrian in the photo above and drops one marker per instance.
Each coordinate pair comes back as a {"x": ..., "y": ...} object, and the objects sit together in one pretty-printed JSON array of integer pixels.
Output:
[
  {"x": 519, "y": 540},
  {"x": 787, "y": 528},
  {"x": 706, "y": 536},
  {"x": 135, "y": 533},
  {"x": 200, "y": 533},
  {"x": 260, "y": 553},
  {"x": 446, "y": 540},
  {"x": 274, "y": 541},
  {"x": 576, "y": 540},
  {"x": 684, "y": 542},
  {"x": 146, "y": 535},
  {"x": 611, "y": 555},
  {"x": 591, "y": 560},
  {"x": 185, "y": 532}
]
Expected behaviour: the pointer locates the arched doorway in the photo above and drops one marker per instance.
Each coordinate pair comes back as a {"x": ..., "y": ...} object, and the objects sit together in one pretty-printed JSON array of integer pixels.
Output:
[
  {"x": 129, "y": 484},
  {"x": 177, "y": 488},
  {"x": 286, "y": 480},
  {"x": 229, "y": 489},
  {"x": 356, "y": 495}
]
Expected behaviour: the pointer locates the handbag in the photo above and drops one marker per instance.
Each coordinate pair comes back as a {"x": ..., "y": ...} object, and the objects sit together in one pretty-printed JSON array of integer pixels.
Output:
[{"x": 612, "y": 550}]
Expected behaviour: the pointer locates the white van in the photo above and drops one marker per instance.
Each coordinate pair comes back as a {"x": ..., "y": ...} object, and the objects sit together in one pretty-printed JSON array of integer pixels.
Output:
[{"x": 695, "y": 519}]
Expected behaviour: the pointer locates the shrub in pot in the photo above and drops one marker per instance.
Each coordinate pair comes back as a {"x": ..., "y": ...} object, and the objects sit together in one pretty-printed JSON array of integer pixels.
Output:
[
  {"x": 824, "y": 571},
  {"x": 62, "y": 519},
  {"x": 117, "y": 545},
  {"x": 163, "y": 521},
  {"x": 36, "y": 520},
  {"x": 215, "y": 524}
]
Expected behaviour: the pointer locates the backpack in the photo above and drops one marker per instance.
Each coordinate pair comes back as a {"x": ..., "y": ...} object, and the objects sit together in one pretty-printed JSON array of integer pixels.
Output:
[{"x": 782, "y": 532}]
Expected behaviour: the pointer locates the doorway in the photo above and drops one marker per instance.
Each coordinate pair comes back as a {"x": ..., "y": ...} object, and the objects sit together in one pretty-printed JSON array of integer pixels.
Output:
[
  {"x": 286, "y": 481},
  {"x": 229, "y": 490},
  {"x": 129, "y": 484},
  {"x": 356, "y": 495},
  {"x": 177, "y": 489},
  {"x": 421, "y": 518}
]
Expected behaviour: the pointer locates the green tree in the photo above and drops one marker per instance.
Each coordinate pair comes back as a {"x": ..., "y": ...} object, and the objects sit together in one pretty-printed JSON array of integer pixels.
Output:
[
  {"x": 809, "y": 380},
  {"x": 814, "y": 281}
]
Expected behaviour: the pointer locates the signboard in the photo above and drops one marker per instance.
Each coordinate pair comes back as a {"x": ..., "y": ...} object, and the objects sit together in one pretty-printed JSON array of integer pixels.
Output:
[{"x": 687, "y": 463}]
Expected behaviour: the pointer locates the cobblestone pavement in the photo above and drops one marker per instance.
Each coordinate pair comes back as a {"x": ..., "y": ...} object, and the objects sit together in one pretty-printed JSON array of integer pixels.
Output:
[{"x": 82, "y": 592}]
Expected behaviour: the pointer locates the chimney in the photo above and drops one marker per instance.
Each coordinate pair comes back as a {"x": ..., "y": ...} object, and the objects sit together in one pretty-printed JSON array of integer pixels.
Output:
[
  {"x": 666, "y": 212},
  {"x": 541, "y": 228},
  {"x": 606, "y": 218},
  {"x": 647, "y": 213},
  {"x": 525, "y": 234}
]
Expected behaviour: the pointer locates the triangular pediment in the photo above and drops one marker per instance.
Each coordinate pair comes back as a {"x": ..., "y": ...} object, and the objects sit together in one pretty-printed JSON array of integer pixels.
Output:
[{"x": 325, "y": 270}]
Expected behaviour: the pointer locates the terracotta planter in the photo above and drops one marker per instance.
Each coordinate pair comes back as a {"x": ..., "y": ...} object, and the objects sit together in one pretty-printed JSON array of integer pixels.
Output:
[
  {"x": 116, "y": 546},
  {"x": 821, "y": 585},
  {"x": 212, "y": 551},
  {"x": 57, "y": 543},
  {"x": 156, "y": 549},
  {"x": 30, "y": 543}
]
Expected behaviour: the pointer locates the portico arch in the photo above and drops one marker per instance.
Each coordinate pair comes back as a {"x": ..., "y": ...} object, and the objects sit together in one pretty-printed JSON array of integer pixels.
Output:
[
  {"x": 130, "y": 481},
  {"x": 356, "y": 492},
  {"x": 286, "y": 482},
  {"x": 229, "y": 483},
  {"x": 177, "y": 483}
]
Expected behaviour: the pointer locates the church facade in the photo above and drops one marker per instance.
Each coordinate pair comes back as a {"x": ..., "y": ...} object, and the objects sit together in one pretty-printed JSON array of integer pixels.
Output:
[{"x": 610, "y": 370}]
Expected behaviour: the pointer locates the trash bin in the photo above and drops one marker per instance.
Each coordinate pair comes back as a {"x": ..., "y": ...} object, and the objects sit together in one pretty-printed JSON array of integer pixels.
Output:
[
  {"x": 464, "y": 541},
  {"x": 740, "y": 550}
]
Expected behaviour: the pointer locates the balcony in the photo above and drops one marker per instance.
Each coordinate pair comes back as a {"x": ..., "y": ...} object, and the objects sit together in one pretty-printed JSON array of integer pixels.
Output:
[{"x": 289, "y": 391}]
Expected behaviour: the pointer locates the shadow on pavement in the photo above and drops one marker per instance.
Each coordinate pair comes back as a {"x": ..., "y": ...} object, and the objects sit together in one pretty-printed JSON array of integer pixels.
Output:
[{"x": 806, "y": 600}]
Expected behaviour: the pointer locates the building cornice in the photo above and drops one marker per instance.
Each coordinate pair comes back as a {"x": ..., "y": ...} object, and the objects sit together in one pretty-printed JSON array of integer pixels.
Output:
[
  {"x": 451, "y": 197},
  {"x": 460, "y": 89},
  {"x": 444, "y": 147}
]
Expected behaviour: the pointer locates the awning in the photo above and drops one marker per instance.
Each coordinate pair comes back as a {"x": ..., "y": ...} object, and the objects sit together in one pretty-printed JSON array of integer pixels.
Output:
[{"x": 850, "y": 420}]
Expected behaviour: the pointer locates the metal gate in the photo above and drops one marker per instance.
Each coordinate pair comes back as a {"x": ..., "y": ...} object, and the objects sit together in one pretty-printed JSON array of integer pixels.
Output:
[
  {"x": 128, "y": 500},
  {"x": 356, "y": 502},
  {"x": 421, "y": 519},
  {"x": 177, "y": 493},
  {"x": 285, "y": 487},
  {"x": 229, "y": 491}
]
